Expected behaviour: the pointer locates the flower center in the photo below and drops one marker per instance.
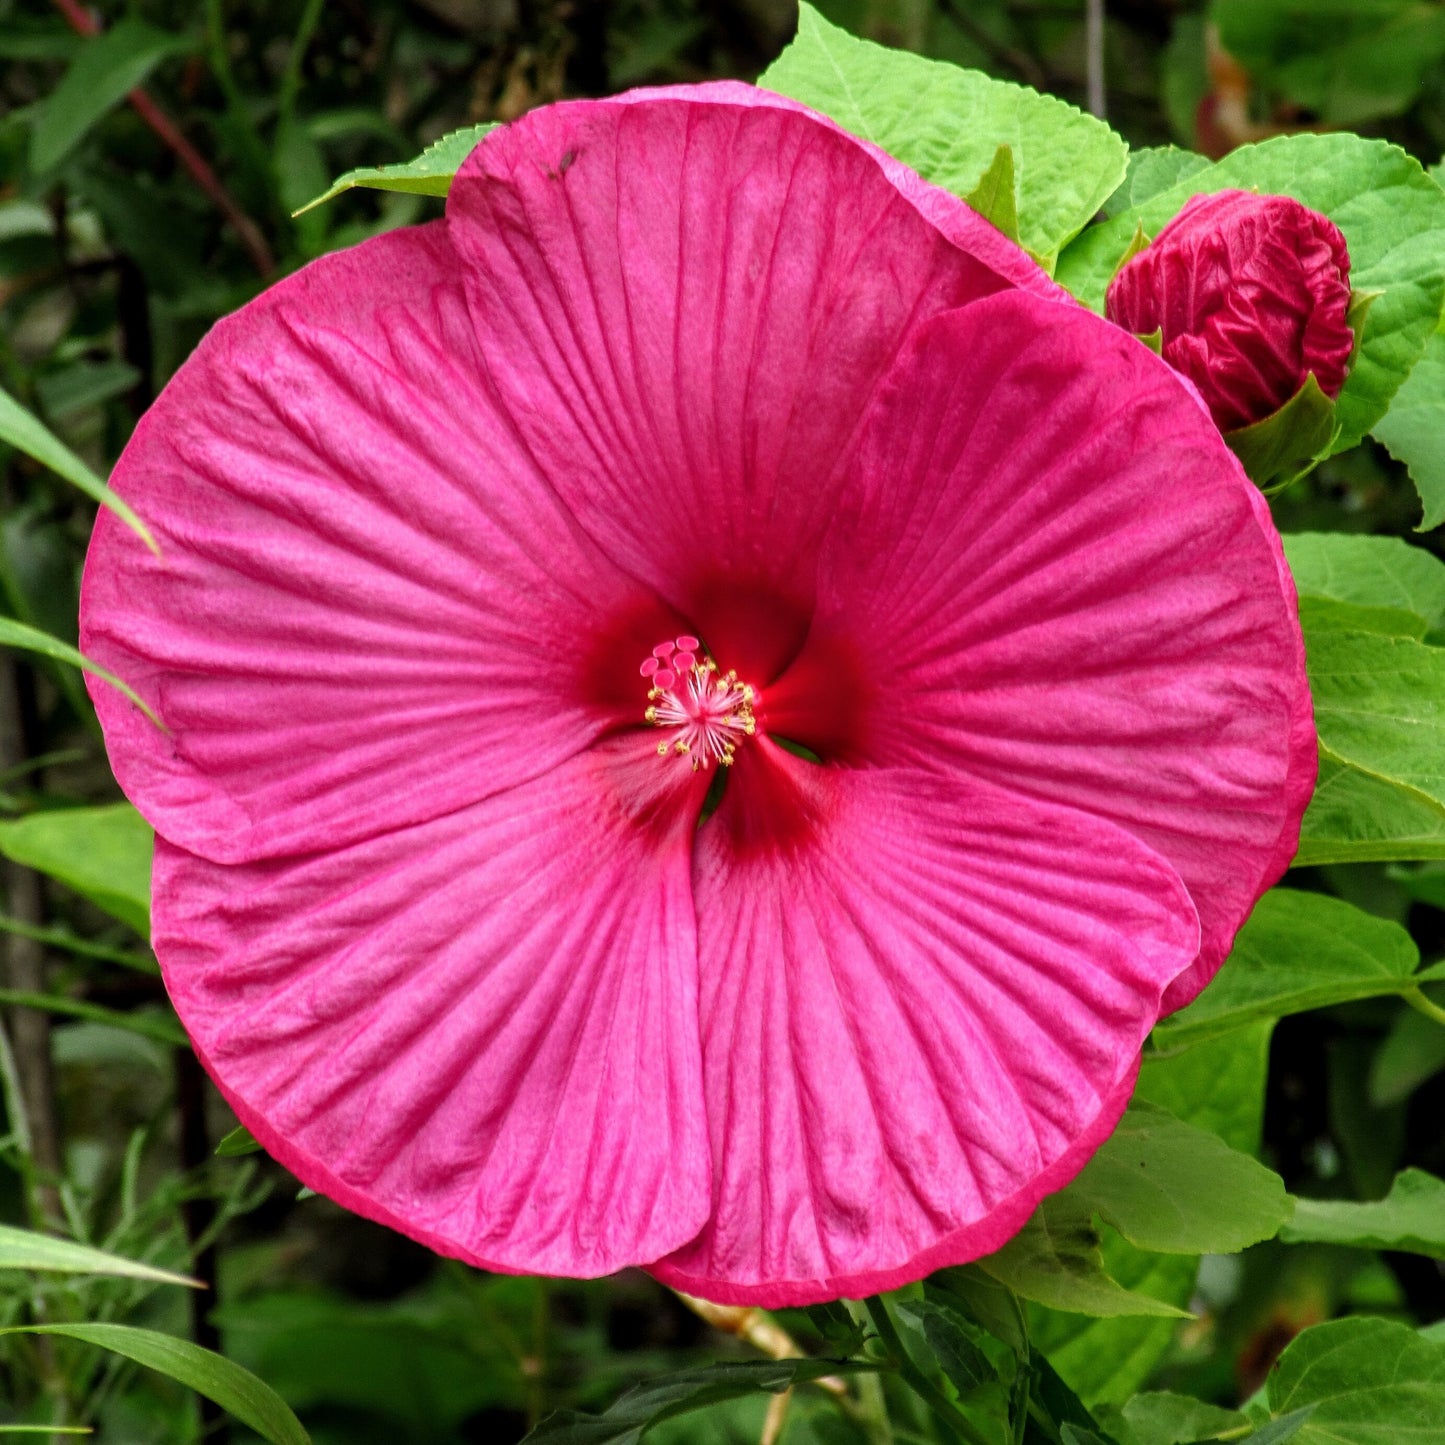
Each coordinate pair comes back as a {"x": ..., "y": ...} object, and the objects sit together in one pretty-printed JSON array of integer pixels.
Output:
[{"x": 704, "y": 713}]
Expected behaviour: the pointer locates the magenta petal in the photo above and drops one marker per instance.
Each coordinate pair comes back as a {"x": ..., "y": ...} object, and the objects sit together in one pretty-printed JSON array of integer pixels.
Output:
[
  {"x": 685, "y": 347},
  {"x": 415, "y": 1027},
  {"x": 368, "y": 609},
  {"x": 1059, "y": 579},
  {"x": 921, "y": 1011}
]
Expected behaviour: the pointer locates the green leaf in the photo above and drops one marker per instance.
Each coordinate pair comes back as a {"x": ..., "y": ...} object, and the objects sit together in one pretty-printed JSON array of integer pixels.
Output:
[
  {"x": 1380, "y": 707},
  {"x": 1355, "y": 817},
  {"x": 1219, "y": 1086},
  {"x": 24, "y": 1249},
  {"x": 1276, "y": 1432},
  {"x": 1216, "y": 1084},
  {"x": 1285, "y": 446},
  {"x": 164, "y": 1028},
  {"x": 429, "y": 174},
  {"x": 1347, "y": 60},
  {"x": 21, "y": 430},
  {"x": 1055, "y": 1260},
  {"x": 1412, "y": 1052},
  {"x": 983, "y": 1299},
  {"x": 1159, "y": 1418},
  {"x": 103, "y": 853},
  {"x": 239, "y": 1141},
  {"x": 104, "y": 71},
  {"x": 1413, "y": 430},
  {"x": 1394, "y": 588},
  {"x": 947, "y": 124},
  {"x": 1370, "y": 1381},
  {"x": 1298, "y": 951},
  {"x": 680, "y": 1393},
  {"x": 1151, "y": 170},
  {"x": 954, "y": 1340},
  {"x": 1167, "y": 1186},
  {"x": 1393, "y": 218},
  {"x": 31, "y": 639},
  {"x": 995, "y": 197},
  {"x": 235, "y": 1390},
  {"x": 1410, "y": 1217}
]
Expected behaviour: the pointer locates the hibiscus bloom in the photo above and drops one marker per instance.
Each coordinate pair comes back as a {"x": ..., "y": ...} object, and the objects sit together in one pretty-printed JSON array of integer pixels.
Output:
[{"x": 696, "y": 429}]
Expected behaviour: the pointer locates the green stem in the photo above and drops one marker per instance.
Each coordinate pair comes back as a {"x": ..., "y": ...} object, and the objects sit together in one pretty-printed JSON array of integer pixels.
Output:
[
  {"x": 291, "y": 80},
  {"x": 937, "y": 1401},
  {"x": 1418, "y": 1001}
]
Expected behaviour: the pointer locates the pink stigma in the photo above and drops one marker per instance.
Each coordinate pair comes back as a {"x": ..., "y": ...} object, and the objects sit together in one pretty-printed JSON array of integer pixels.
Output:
[{"x": 706, "y": 714}]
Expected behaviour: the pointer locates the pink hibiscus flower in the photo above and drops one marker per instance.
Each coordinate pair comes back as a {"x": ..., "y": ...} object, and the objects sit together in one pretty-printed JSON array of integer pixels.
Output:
[{"x": 696, "y": 426}]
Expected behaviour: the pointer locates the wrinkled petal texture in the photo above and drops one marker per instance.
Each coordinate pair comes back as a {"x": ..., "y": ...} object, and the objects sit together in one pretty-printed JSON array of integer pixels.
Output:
[
  {"x": 1056, "y": 577},
  {"x": 363, "y": 583},
  {"x": 414, "y": 1026},
  {"x": 687, "y": 306},
  {"x": 921, "y": 1011},
  {"x": 1251, "y": 294}
]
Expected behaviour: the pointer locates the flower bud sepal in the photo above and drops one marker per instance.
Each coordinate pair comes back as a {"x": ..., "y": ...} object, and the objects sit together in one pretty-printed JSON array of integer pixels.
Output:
[{"x": 1289, "y": 443}]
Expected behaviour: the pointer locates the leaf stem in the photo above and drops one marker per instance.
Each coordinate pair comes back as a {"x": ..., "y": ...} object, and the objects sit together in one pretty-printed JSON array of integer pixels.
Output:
[
  {"x": 937, "y": 1401},
  {"x": 1416, "y": 997}
]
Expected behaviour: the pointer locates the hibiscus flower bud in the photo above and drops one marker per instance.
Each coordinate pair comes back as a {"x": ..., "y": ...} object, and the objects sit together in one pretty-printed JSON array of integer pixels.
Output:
[{"x": 1249, "y": 295}]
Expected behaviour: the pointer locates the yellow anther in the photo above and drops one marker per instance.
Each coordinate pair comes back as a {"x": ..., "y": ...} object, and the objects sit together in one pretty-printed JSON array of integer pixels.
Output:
[
  {"x": 651, "y": 715},
  {"x": 662, "y": 750}
]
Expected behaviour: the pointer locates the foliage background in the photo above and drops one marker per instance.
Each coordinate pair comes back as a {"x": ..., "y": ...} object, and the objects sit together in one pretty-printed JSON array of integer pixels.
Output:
[{"x": 119, "y": 245}]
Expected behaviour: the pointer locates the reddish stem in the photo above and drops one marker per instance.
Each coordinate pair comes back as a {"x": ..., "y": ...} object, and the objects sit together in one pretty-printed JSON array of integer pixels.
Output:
[{"x": 83, "y": 23}]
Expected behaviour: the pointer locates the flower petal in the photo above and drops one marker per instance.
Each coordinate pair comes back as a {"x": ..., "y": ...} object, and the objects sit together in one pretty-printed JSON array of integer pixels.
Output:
[
  {"x": 1058, "y": 578},
  {"x": 481, "y": 1031},
  {"x": 368, "y": 609},
  {"x": 686, "y": 346},
  {"x": 922, "y": 1003}
]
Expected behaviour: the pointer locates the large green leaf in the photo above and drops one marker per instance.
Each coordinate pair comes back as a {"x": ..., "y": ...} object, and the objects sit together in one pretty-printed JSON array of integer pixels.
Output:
[
  {"x": 1370, "y": 1382},
  {"x": 235, "y": 1390},
  {"x": 429, "y": 174},
  {"x": 25, "y": 1249},
  {"x": 1392, "y": 215},
  {"x": 102, "y": 73},
  {"x": 1356, "y": 817},
  {"x": 1380, "y": 706},
  {"x": 1410, "y": 1217},
  {"x": 1153, "y": 169},
  {"x": 1218, "y": 1086},
  {"x": 1216, "y": 1083},
  {"x": 1160, "y": 1418},
  {"x": 1167, "y": 1186},
  {"x": 1298, "y": 951},
  {"x": 1414, "y": 429},
  {"x": 19, "y": 429},
  {"x": 1055, "y": 1260},
  {"x": 1388, "y": 585},
  {"x": 947, "y": 124},
  {"x": 1347, "y": 60},
  {"x": 104, "y": 853},
  {"x": 680, "y": 1393}
]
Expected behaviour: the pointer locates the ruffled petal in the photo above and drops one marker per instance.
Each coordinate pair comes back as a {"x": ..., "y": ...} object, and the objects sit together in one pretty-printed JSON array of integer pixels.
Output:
[
  {"x": 481, "y": 1031},
  {"x": 922, "y": 1003},
  {"x": 685, "y": 306},
  {"x": 368, "y": 609},
  {"x": 1059, "y": 579}
]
